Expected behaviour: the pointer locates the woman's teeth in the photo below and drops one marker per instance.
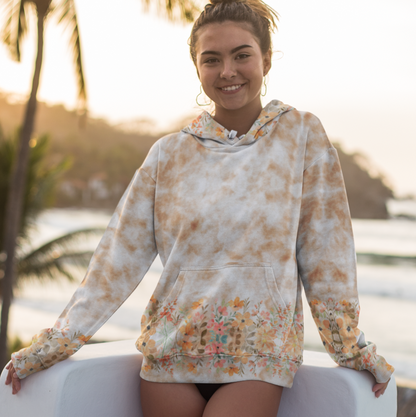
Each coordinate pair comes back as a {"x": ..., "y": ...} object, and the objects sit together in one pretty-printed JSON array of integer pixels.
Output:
[{"x": 233, "y": 87}]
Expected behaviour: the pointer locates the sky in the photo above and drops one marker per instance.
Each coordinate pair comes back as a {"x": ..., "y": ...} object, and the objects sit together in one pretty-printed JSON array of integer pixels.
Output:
[{"x": 353, "y": 64}]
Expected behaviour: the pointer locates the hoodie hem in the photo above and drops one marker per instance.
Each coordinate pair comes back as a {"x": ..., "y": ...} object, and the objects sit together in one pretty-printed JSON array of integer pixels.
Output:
[{"x": 221, "y": 369}]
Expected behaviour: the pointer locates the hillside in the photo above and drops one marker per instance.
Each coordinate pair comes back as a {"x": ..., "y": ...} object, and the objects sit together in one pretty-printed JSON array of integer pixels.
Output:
[{"x": 105, "y": 157}]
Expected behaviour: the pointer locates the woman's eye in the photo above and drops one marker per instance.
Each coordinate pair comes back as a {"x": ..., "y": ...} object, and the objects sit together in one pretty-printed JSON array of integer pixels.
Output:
[
  {"x": 211, "y": 60},
  {"x": 242, "y": 56}
]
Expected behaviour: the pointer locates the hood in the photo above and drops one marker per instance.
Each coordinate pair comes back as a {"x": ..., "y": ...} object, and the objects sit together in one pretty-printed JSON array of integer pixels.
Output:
[{"x": 212, "y": 135}]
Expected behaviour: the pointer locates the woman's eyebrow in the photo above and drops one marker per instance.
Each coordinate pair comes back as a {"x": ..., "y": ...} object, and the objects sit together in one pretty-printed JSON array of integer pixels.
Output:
[{"x": 232, "y": 50}]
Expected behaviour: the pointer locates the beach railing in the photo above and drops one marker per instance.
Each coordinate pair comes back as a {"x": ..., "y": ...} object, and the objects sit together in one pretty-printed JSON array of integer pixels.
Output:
[{"x": 103, "y": 380}]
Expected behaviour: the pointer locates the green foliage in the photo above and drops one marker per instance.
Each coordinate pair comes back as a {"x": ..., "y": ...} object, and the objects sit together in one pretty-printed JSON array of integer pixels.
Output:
[
  {"x": 41, "y": 180},
  {"x": 59, "y": 256},
  {"x": 96, "y": 149}
]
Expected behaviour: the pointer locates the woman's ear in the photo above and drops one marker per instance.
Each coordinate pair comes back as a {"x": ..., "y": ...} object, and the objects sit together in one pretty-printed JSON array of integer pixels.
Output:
[{"x": 267, "y": 62}]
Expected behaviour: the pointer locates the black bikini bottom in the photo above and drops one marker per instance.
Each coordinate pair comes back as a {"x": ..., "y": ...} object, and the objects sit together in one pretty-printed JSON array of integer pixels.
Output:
[{"x": 208, "y": 390}]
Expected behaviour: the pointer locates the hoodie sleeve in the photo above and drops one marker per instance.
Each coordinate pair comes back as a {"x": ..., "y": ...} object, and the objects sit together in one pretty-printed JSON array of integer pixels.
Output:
[
  {"x": 122, "y": 258},
  {"x": 327, "y": 261}
]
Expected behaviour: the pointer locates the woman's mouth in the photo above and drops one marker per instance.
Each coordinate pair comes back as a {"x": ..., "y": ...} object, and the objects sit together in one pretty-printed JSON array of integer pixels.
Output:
[{"x": 231, "y": 88}]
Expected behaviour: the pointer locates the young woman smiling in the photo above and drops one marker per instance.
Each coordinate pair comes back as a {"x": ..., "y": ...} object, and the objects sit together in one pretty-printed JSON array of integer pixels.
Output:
[{"x": 243, "y": 206}]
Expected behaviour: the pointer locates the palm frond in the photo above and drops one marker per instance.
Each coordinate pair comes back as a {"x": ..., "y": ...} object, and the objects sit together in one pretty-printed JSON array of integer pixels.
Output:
[
  {"x": 67, "y": 15},
  {"x": 57, "y": 247},
  {"x": 57, "y": 257},
  {"x": 175, "y": 10},
  {"x": 15, "y": 27},
  {"x": 52, "y": 267}
]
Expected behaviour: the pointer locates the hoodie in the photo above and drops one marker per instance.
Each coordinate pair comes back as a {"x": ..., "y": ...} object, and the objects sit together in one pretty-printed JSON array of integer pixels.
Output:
[{"x": 240, "y": 224}]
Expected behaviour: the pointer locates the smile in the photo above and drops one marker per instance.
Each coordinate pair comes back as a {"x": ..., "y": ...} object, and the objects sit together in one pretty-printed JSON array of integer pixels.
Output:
[{"x": 232, "y": 87}]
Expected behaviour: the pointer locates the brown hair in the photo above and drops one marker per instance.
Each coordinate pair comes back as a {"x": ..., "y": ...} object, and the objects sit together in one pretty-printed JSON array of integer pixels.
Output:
[{"x": 256, "y": 13}]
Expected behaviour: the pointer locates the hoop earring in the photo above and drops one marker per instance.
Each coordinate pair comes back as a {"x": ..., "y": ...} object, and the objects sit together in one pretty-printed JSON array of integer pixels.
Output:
[
  {"x": 200, "y": 92},
  {"x": 265, "y": 87}
]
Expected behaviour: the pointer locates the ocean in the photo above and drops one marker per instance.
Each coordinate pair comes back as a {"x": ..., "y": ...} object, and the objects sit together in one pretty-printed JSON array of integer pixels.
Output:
[{"x": 386, "y": 280}]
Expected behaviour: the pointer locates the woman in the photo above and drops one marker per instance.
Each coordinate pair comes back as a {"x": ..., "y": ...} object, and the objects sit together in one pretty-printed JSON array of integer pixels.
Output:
[{"x": 242, "y": 207}]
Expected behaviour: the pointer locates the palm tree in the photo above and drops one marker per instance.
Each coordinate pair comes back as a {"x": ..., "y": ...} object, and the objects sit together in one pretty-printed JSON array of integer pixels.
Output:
[
  {"x": 54, "y": 258},
  {"x": 13, "y": 33}
]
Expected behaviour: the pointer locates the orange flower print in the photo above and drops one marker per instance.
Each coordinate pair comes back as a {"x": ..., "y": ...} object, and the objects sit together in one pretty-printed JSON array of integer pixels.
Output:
[
  {"x": 242, "y": 320},
  {"x": 291, "y": 346},
  {"x": 187, "y": 330},
  {"x": 147, "y": 346},
  {"x": 66, "y": 346},
  {"x": 30, "y": 368},
  {"x": 192, "y": 368},
  {"x": 239, "y": 356},
  {"x": 84, "y": 339},
  {"x": 236, "y": 304},
  {"x": 197, "y": 304},
  {"x": 218, "y": 131},
  {"x": 265, "y": 338},
  {"x": 326, "y": 334},
  {"x": 147, "y": 368},
  {"x": 314, "y": 302},
  {"x": 166, "y": 314},
  {"x": 185, "y": 344},
  {"x": 231, "y": 370},
  {"x": 367, "y": 358},
  {"x": 324, "y": 329},
  {"x": 150, "y": 330}
]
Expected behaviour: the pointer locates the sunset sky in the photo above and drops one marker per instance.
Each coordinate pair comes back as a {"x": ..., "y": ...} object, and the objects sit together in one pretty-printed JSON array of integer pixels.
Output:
[{"x": 353, "y": 64}]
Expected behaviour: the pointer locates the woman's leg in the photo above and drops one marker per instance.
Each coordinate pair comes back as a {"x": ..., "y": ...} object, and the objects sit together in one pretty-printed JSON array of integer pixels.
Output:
[
  {"x": 170, "y": 400},
  {"x": 245, "y": 399}
]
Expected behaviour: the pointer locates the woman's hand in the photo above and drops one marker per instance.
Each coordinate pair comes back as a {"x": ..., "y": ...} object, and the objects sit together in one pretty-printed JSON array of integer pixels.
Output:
[
  {"x": 379, "y": 389},
  {"x": 12, "y": 378}
]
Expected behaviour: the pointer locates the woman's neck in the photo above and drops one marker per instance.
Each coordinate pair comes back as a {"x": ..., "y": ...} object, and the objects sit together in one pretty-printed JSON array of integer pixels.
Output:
[{"x": 239, "y": 120}]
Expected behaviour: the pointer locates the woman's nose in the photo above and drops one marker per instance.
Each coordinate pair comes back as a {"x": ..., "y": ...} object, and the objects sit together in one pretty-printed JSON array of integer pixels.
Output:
[{"x": 228, "y": 70}]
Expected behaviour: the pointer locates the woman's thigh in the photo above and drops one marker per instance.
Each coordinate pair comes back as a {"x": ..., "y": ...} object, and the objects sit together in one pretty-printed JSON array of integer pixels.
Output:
[
  {"x": 245, "y": 399},
  {"x": 170, "y": 400}
]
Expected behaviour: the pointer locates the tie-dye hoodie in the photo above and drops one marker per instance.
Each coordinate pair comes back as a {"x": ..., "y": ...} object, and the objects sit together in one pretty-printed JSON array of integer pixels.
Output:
[{"x": 239, "y": 224}]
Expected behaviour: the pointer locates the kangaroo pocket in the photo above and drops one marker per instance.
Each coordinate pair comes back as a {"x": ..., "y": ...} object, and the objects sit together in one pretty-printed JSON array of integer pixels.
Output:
[{"x": 230, "y": 310}]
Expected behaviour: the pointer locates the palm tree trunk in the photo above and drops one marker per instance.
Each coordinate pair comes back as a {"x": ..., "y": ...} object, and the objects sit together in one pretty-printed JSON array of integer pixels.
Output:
[{"x": 16, "y": 192}]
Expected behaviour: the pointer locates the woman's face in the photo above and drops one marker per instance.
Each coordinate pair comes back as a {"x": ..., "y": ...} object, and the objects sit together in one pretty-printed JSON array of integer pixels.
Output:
[{"x": 230, "y": 65}]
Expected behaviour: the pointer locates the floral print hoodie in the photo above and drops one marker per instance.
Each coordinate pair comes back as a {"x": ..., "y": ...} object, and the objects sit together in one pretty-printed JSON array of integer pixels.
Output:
[{"x": 240, "y": 225}]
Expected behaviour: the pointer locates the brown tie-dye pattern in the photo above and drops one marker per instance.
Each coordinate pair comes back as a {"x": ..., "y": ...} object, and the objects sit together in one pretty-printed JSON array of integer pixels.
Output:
[{"x": 237, "y": 227}]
